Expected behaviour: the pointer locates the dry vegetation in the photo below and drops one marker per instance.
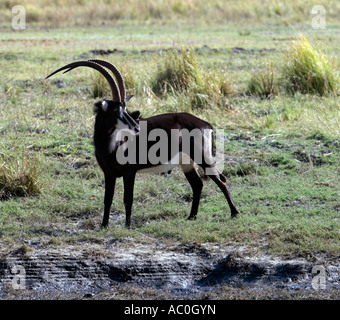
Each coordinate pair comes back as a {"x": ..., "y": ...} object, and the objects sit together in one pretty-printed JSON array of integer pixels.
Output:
[
  {"x": 60, "y": 13},
  {"x": 308, "y": 70},
  {"x": 20, "y": 175}
]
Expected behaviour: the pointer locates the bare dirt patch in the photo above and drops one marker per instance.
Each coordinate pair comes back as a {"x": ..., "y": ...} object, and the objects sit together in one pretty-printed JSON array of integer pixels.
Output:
[{"x": 174, "y": 272}]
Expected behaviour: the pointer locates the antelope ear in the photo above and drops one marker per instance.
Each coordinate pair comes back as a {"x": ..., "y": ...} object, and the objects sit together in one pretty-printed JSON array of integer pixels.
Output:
[
  {"x": 127, "y": 99},
  {"x": 100, "y": 105},
  {"x": 135, "y": 115}
]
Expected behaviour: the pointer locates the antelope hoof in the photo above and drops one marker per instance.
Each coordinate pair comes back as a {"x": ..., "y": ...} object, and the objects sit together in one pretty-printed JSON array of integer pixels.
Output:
[
  {"x": 235, "y": 214},
  {"x": 192, "y": 218}
]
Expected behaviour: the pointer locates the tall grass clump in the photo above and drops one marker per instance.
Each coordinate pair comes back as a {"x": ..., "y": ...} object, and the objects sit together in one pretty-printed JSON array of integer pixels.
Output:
[
  {"x": 308, "y": 70},
  {"x": 20, "y": 176},
  {"x": 178, "y": 71},
  {"x": 263, "y": 83},
  {"x": 180, "y": 75},
  {"x": 212, "y": 91}
]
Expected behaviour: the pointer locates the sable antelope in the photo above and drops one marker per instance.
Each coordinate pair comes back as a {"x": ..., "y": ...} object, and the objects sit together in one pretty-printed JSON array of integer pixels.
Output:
[{"x": 112, "y": 118}]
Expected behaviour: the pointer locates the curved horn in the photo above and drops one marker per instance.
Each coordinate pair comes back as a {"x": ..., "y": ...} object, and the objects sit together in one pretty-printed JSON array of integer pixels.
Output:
[
  {"x": 114, "y": 89},
  {"x": 117, "y": 74}
]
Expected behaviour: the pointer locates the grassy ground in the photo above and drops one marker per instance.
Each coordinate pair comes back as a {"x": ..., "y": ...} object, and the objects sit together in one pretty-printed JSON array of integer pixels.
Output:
[{"x": 282, "y": 154}]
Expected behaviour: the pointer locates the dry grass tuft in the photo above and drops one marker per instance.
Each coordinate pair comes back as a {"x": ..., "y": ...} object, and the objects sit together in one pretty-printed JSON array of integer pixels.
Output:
[
  {"x": 180, "y": 75},
  {"x": 308, "y": 70},
  {"x": 263, "y": 83},
  {"x": 20, "y": 176}
]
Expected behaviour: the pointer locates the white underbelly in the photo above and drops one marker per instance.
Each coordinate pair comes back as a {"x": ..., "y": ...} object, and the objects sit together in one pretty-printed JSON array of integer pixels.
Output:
[{"x": 162, "y": 168}]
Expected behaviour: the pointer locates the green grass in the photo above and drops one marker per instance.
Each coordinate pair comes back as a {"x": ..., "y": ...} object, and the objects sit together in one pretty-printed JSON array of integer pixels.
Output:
[
  {"x": 289, "y": 216},
  {"x": 281, "y": 154}
]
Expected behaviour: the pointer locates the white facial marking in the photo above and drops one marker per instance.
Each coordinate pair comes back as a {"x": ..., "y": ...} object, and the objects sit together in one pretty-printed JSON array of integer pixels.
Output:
[
  {"x": 116, "y": 135},
  {"x": 121, "y": 125},
  {"x": 105, "y": 105}
]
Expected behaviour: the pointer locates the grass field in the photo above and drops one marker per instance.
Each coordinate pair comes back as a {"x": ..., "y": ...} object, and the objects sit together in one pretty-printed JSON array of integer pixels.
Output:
[{"x": 281, "y": 152}]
